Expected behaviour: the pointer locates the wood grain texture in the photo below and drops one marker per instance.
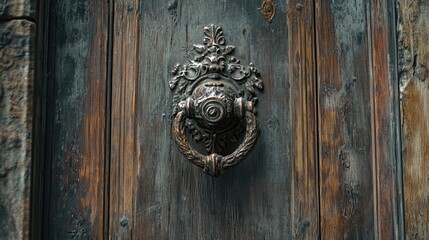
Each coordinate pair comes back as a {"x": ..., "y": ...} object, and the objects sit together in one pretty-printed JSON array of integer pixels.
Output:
[
  {"x": 344, "y": 82},
  {"x": 387, "y": 163},
  {"x": 414, "y": 79},
  {"x": 304, "y": 187},
  {"x": 155, "y": 192},
  {"x": 123, "y": 155},
  {"x": 75, "y": 148},
  {"x": 360, "y": 181}
]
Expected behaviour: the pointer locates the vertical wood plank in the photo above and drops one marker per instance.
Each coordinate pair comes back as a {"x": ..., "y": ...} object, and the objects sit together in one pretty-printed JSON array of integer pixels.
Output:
[
  {"x": 304, "y": 186},
  {"x": 360, "y": 166},
  {"x": 344, "y": 82},
  {"x": 414, "y": 79},
  {"x": 76, "y": 111},
  {"x": 123, "y": 162},
  {"x": 387, "y": 182}
]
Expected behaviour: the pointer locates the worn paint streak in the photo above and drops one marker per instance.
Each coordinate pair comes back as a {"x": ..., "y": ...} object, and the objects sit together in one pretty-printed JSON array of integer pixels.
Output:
[
  {"x": 76, "y": 125},
  {"x": 94, "y": 121}
]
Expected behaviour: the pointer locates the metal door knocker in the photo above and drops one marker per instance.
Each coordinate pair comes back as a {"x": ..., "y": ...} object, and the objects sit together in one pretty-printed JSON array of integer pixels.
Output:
[{"x": 214, "y": 103}]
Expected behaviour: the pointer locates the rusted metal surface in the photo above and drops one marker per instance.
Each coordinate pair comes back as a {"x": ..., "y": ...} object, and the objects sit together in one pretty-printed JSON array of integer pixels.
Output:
[{"x": 414, "y": 79}]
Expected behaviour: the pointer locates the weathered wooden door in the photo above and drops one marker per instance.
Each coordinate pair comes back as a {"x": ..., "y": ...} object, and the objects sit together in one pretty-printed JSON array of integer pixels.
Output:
[{"x": 325, "y": 165}]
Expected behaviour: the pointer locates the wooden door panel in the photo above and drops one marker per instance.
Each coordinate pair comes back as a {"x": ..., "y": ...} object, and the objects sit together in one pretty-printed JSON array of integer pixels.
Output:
[
  {"x": 157, "y": 192},
  {"x": 325, "y": 164}
]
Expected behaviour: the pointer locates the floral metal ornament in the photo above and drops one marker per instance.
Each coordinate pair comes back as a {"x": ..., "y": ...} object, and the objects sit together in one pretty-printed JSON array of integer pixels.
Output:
[{"x": 214, "y": 99}]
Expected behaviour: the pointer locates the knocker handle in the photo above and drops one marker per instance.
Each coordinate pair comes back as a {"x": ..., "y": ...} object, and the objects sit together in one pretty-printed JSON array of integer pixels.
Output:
[{"x": 215, "y": 164}]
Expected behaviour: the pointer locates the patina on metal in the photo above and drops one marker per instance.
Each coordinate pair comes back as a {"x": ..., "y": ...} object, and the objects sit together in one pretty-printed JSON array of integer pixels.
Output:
[{"x": 214, "y": 99}]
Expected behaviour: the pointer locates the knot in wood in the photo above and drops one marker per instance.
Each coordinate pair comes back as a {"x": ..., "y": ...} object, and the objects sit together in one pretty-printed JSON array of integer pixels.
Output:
[{"x": 268, "y": 9}]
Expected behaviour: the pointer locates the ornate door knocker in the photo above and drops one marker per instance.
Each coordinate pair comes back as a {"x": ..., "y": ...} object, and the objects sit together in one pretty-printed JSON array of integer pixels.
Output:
[{"x": 214, "y": 102}]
